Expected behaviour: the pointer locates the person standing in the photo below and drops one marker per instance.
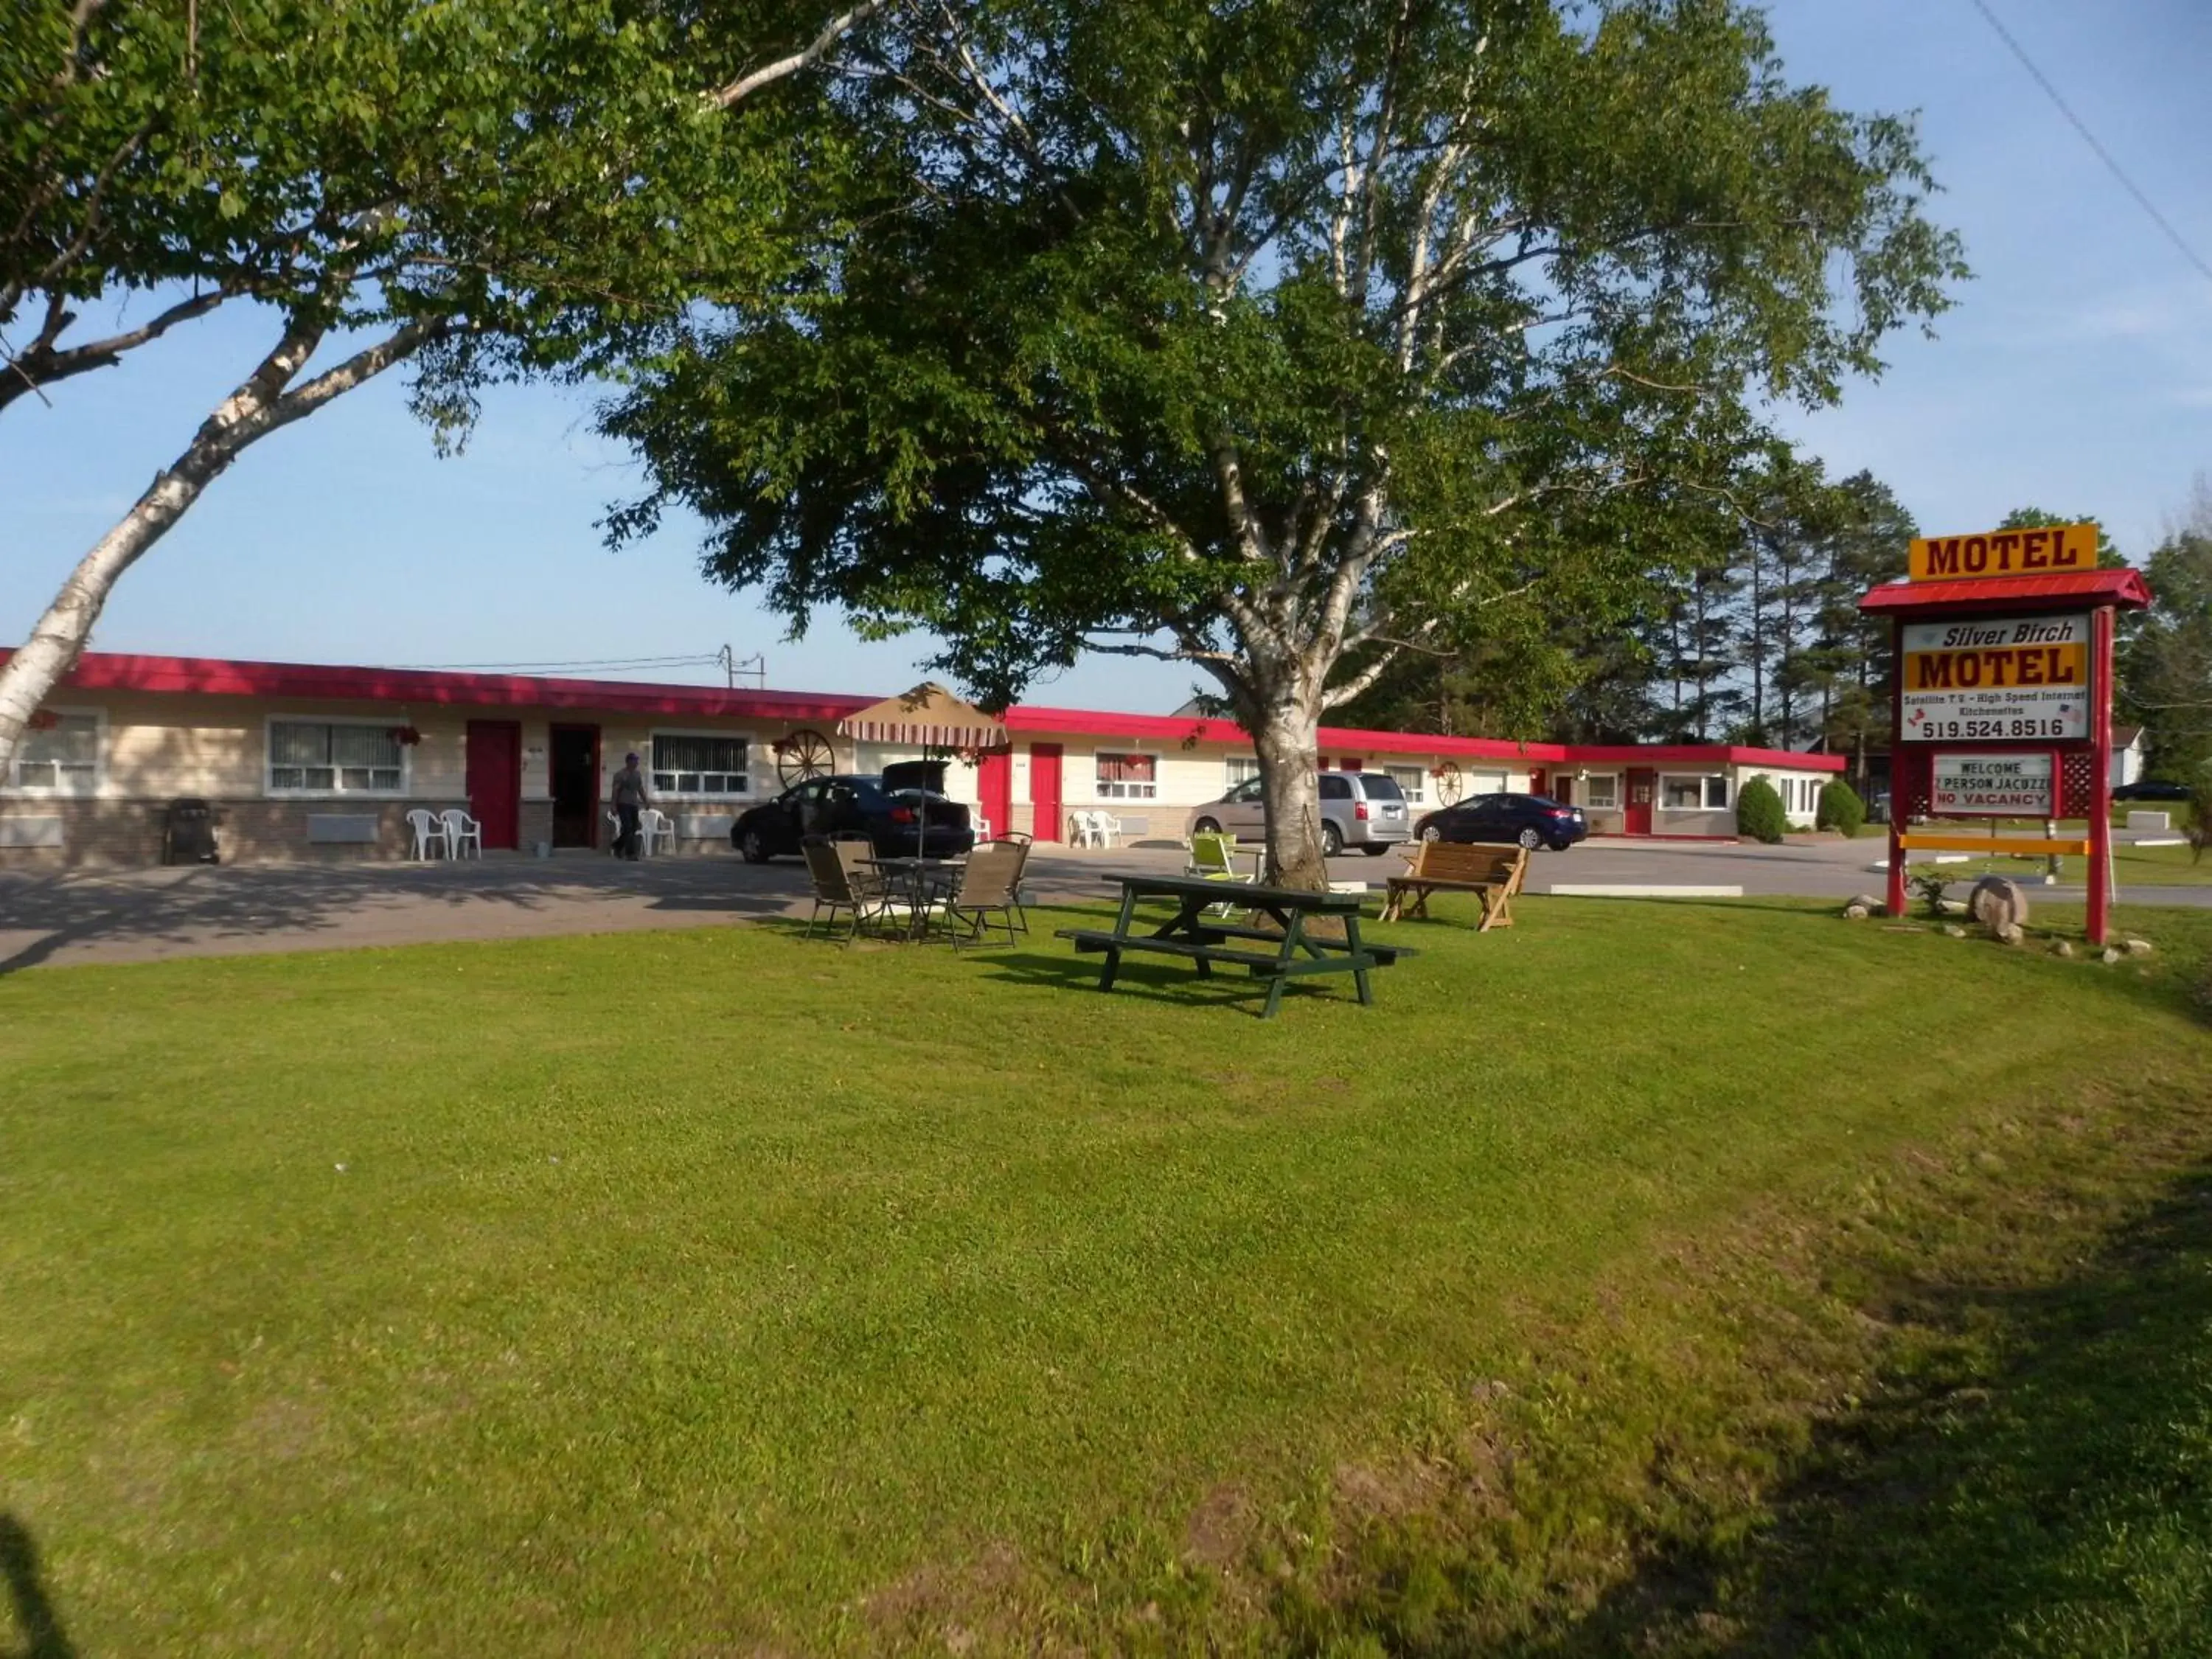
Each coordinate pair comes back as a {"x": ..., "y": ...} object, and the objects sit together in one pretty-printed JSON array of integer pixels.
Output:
[{"x": 630, "y": 797}]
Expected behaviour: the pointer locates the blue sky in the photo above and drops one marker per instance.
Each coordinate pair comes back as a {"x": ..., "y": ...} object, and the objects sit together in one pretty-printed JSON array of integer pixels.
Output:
[{"x": 2075, "y": 375}]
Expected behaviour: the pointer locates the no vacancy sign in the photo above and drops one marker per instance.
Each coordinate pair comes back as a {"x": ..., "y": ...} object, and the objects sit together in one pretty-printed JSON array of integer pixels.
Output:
[
  {"x": 2003, "y": 786},
  {"x": 1995, "y": 677}
]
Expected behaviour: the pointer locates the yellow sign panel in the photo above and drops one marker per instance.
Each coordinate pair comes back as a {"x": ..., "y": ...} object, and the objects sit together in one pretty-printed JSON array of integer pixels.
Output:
[{"x": 2003, "y": 553}]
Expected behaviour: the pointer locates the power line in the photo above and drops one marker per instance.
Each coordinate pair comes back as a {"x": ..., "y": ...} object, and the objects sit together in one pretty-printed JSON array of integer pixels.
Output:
[{"x": 2090, "y": 138}]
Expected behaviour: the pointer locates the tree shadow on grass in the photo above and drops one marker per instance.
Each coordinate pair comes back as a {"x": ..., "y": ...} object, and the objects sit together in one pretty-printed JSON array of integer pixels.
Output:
[
  {"x": 38, "y": 1628},
  {"x": 2056, "y": 1498}
]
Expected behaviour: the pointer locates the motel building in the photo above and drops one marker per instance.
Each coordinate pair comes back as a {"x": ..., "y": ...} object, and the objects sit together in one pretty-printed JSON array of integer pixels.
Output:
[{"x": 303, "y": 762}]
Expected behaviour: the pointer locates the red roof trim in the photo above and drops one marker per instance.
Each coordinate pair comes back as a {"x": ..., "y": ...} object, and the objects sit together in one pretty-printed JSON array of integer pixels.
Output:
[
  {"x": 213, "y": 677},
  {"x": 2122, "y": 587},
  {"x": 1195, "y": 728},
  {"x": 435, "y": 688}
]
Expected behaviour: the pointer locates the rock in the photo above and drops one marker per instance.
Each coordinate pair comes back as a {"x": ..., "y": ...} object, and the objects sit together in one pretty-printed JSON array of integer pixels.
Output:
[
  {"x": 2060, "y": 947},
  {"x": 1867, "y": 902},
  {"x": 1953, "y": 930},
  {"x": 2010, "y": 932},
  {"x": 2136, "y": 947},
  {"x": 1856, "y": 912},
  {"x": 2110, "y": 957},
  {"x": 1952, "y": 906},
  {"x": 1997, "y": 902}
]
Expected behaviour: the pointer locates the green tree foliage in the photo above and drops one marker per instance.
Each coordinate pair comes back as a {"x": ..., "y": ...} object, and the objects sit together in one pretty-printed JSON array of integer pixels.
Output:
[
  {"x": 2165, "y": 665},
  {"x": 1759, "y": 813},
  {"x": 476, "y": 188},
  {"x": 1280, "y": 336},
  {"x": 1840, "y": 808}
]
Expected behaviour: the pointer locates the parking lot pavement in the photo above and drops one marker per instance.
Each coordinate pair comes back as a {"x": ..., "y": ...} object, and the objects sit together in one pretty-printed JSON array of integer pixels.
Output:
[{"x": 143, "y": 915}]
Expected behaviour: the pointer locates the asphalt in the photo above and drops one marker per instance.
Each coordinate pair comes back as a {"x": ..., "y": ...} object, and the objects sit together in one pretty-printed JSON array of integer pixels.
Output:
[{"x": 153, "y": 915}]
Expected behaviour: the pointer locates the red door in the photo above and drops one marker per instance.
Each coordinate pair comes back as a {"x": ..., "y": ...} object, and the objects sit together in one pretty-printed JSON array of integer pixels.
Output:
[
  {"x": 994, "y": 787},
  {"x": 1044, "y": 791},
  {"x": 1643, "y": 784},
  {"x": 495, "y": 781}
]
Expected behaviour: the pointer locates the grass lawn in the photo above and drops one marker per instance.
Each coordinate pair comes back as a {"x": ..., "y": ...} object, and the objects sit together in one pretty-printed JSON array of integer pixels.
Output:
[{"x": 1673, "y": 1274}]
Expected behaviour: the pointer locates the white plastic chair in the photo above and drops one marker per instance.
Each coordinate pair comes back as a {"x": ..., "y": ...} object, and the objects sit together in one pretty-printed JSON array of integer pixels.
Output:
[
  {"x": 462, "y": 833},
  {"x": 1105, "y": 826},
  {"x": 654, "y": 825},
  {"x": 429, "y": 834},
  {"x": 1084, "y": 829},
  {"x": 983, "y": 829}
]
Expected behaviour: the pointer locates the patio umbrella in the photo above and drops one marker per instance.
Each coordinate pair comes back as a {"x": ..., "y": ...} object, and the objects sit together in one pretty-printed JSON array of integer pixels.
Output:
[{"x": 931, "y": 718}]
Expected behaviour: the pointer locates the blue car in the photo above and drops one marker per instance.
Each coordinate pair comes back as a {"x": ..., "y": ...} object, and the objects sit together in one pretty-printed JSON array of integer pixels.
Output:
[{"x": 1533, "y": 821}]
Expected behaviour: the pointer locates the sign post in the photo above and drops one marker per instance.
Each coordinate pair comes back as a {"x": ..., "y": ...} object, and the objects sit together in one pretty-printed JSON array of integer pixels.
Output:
[{"x": 2003, "y": 700}]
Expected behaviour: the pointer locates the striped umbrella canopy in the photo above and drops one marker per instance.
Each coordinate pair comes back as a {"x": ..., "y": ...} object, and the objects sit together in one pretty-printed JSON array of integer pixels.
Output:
[{"x": 928, "y": 717}]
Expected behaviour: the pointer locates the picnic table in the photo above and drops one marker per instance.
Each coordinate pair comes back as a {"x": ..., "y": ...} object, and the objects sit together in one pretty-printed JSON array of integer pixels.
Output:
[{"x": 1209, "y": 942}]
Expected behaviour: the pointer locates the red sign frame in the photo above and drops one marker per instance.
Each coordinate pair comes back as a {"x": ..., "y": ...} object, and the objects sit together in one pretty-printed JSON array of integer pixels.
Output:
[{"x": 2082, "y": 769}]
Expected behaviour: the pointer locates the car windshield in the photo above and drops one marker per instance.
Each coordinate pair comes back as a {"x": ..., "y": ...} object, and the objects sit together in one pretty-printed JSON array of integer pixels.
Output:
[{"x": 1381, "y": 788}]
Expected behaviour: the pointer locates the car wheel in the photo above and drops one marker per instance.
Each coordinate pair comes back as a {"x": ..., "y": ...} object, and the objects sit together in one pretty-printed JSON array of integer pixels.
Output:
[
  {"x": 1376, "y": 849},
  {"x": 1205, "y": 827},
  {"x": 1561, "y": 846},
  {"x": 1430, "y": 832},
  {"x": 1531, "y": 840},
  {"x": 1331, "y": 839},
  {"x": 752, "y": 847}
]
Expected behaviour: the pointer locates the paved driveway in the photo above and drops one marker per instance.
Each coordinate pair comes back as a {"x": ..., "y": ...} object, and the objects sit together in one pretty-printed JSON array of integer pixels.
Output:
[{"x": 148, "y": 914}]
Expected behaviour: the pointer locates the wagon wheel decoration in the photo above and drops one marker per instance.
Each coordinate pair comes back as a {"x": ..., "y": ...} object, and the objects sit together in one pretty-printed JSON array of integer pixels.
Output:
[
  {"x": 1450, "y": 784},
  {"x": 801, "y": 755}
]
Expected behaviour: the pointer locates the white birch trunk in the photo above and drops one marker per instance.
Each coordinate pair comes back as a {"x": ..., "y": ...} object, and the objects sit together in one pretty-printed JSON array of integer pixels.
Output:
[
  {"x": 1283, "y": 736},
  {"x": 258, "y": 407}
]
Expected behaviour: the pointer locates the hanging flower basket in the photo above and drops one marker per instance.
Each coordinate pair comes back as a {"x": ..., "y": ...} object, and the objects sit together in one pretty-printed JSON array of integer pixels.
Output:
[{"x": 406, "y": 736}]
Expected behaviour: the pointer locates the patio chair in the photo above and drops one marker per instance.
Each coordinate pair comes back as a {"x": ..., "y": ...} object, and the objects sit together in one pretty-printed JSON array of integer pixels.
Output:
[
  {"x": 990, "y": 884},
  {"x": 1213, "y": 855},
  {"x": 1105, "y": 826},
  {"x": 429, "y": 833},
  {"x": 462, "y": 832},
  {"x": 655, "y": 826},
  {"x": 842, "y": 881}
]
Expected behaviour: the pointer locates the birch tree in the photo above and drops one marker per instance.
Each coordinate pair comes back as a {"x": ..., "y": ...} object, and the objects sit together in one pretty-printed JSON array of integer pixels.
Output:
[
  {"x": 1266, "y": 335},
  {"x": 474, "y": 189}
]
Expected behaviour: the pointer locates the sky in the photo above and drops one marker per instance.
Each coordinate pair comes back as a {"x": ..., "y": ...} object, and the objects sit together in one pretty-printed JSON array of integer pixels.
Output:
[{"x": 2074, "y": 374}]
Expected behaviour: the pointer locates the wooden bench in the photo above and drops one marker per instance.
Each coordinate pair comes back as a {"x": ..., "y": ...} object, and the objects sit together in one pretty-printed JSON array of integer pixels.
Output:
[{"x": 1493, "y": 874}]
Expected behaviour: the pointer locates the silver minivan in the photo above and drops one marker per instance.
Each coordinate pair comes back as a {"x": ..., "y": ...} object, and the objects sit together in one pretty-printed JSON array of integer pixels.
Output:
[{"x": 1363, "y": 810}]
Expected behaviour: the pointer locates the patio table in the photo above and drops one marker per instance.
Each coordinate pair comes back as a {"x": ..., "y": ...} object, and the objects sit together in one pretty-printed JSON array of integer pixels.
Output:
[
  {"x": 1207, "y": 943},
  {"x": 922, "y": 881}
]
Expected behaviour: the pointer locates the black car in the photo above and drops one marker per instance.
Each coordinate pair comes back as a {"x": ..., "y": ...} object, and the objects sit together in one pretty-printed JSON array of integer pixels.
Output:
[
  {"x": 2151, "y": 789},
  {"x": 895, "y": 811},
  {"x": 1532, "y": 820}
]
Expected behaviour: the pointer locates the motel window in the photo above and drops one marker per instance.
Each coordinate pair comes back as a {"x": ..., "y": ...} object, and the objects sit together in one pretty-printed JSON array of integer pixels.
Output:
[
  {"x": 1601, "y": 791},
  {"x": 1683, "y": 791},
  {"x": 1242, "y": 768},
  {"x": 58, "y": 754},
  {"x": 699, "y": 763},
  {"x": 1413, "y": 782},
  {"x": 1800, "y": 796},
  {"x": 335, "y": 758},
  {"x": 1128, "y": 777}
]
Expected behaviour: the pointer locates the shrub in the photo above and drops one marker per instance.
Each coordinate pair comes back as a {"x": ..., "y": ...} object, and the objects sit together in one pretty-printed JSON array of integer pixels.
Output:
[
  {"x": 1840, "y": 808},
  {"x": 1759, "y": 812}
]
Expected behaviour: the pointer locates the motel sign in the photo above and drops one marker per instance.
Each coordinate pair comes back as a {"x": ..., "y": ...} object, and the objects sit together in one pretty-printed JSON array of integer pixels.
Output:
[{"x": 2003, "y": 704}]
